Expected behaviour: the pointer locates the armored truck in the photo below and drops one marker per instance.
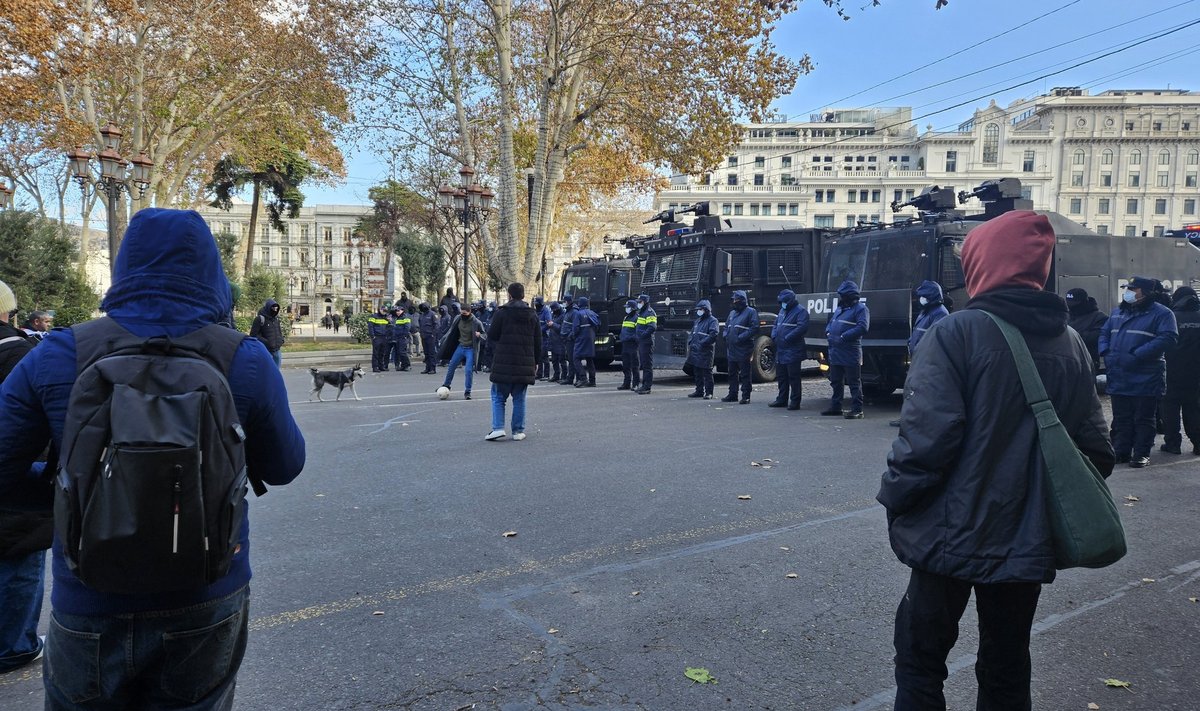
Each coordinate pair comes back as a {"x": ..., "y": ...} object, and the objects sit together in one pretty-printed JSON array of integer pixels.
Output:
[{"x": 608, "y": 283}]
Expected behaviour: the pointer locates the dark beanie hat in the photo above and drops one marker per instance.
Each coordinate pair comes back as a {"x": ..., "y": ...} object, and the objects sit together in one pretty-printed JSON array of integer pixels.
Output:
[
  {"x": 1011, "y": 251},
  {"x": 1077, "y": 296}
]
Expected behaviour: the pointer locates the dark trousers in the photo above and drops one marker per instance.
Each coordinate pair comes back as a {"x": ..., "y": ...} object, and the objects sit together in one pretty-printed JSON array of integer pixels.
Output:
[
  {"x": 1172, "y": 408},
  {"x": 379, "y": 354},
  {"x": 927, "y": 628},
  {"x": 1133, "y": 425},
  {"x": 558, "y": 364},
  {"x": 787, "y": 376},
  {"x": 741, "y": 373},
  {"x": 585, "y": 370},
  {"x": 543, "y": 364},
  {"x": 630, "y": 364},
  {"x": 399, "y": 355},
  {"x": 842, "y": 375},
  {"x": 704, "y": 380},
  {"x": 646, "y": 361},
  {"x": 429, "y": 345}
]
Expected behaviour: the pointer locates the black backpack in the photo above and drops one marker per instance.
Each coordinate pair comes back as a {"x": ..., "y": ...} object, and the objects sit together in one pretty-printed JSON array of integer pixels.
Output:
[{"x": 152, "y": 477}]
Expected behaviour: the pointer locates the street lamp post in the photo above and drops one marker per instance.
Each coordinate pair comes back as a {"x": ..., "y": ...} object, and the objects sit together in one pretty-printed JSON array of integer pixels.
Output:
[
  {"x": 470, "y": 204},
  {"x": 6, "y": 196},
  {"x": 114, "y": 178}
]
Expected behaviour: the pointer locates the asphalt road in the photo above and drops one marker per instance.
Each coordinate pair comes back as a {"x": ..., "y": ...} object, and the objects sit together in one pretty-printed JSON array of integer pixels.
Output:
[{"x": 383, "y": 579}]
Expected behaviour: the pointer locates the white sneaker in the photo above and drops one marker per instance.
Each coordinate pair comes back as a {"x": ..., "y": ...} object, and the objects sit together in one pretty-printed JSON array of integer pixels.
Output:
[
  {"x": 495, "y": 435},
  {"x": 518, "y": 436}
]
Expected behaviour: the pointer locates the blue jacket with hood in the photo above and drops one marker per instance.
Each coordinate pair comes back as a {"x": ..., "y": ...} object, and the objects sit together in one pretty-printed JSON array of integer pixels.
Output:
[
  {"x": 1132, "y": 343},
  {"x": 741, "y": 329},
  {"x": 932, "y": 312},
  {"x": 848, "y": 324},
  {"x": 702, "y": 341},
  {"x": 583, "y": 329},
  {"x": 167, "y": 281},
  {"x": 790, "y": 327}
]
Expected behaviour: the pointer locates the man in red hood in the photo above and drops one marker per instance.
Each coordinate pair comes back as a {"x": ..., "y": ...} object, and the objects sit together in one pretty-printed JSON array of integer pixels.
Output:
[{"x": 964, "y": 493}]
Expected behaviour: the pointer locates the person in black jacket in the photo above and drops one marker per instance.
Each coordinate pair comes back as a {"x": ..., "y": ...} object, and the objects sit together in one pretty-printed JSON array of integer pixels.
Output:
[
  {"x": 1087, "y": 320},
  {"x": 266, "y": 328},
  {"x": 427, "y": 325},
  {"x": 516, "y": 339},
  {"x": 1183, "y": 375},
  {"x": 965, "y": 500},
  {"x": 26, "y": 529}
]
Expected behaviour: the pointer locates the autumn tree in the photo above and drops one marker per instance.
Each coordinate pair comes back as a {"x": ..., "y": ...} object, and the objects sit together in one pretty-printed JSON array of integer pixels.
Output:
[{"x": 394, "y": 210}]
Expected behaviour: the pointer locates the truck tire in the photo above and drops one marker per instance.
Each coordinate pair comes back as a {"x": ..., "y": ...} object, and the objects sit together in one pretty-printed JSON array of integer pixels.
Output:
[{"x": 763, "y": 360}]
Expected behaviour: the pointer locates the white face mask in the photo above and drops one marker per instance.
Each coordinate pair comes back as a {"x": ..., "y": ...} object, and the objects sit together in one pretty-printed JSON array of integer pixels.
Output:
[
  {"x": 642, "y": 304},
  {"x": 700, "y": 312},
  {"x": 628, "y": 309},
  {"x": 924, "y": 301},
  {"x": 1129, "y": 297}
]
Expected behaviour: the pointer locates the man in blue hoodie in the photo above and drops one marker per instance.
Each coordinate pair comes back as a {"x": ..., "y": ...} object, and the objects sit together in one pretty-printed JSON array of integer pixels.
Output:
[
  {"x": 932, "y": 310},
  {"x": 583, "y": 326},
  {"x": 741, "y": 329},
  {"x": 788, "y": 335},
  {"x": 702, "y": 344},
  {"x": 170, "y": 650},
  {"x": 848, "y": 324}
]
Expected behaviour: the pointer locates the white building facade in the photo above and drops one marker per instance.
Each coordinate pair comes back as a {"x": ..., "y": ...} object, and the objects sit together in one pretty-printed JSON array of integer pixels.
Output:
[{"x": 1122, "y": 162}]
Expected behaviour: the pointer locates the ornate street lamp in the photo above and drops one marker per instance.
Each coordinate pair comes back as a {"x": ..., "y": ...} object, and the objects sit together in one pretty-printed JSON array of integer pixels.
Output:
[
  {"x": 114, "y": 178},
  {"x": 470, "y": 203}
]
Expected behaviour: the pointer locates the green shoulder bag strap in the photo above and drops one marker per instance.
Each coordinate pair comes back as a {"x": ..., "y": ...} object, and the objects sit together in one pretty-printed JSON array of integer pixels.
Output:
[{"x": 1084, "y": 521}]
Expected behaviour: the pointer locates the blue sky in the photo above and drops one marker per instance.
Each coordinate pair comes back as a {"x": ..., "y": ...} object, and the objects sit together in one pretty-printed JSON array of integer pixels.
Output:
[{"x": 879, "y": 44}]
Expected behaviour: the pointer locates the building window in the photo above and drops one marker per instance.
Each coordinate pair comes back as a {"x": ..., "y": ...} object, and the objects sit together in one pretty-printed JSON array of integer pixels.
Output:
[
  {"x": 1026, "y": 193},
  {"x": 787, "y": 179},
  {"x": 1193, "y": 157},
  {"x": 1129, "y": 125},
  {"x": 1076, "y": 180},
  {"x": 991, "y": 144},
  {"x": 819, "y": 196},
  {"x": 303, "y": 233},
  {"x": 862, "y": 195},
  {"x": 1106, "y": 180},
  {"x": 731, "y": 179},
  {"x": 1186, "y": 125},
  {"x": 786, "y": 161},
  {"x": 1135, "y": 180},
  {"x": 760, "y": 162},
  {"x": 1102, "y": 229},
  {"x": 264, "y": 233},
  {"x": 908, "y": 194},
  {"x": 1189, "y": 180},
  {"x": 1027, "y": 162},
  {"x": 758, "y": 178},
  {"x": 327, "y": 281},
  {"x": 303, "y": 285},
  {"x": 753, "y": 208},
  {"x": 876, "y": 195},
  {"x": 726, "y": 208},
  {"x": 283, "y": 235},
  {"x": 304, "y": 262},
  {"x": 1106, "y": 157},
  {"x": 852, "y": 196},
  {"x": 850, "y": 221},
  {"x": 823, "y": 222},
  {"x": 265, "y": 259},
  {"x": 951, "y": 161},
  {"x": 1189, "y": 206},
  {"x": 793, "y": 208},
  {"x": 1076, "y": 206},
  {"x": 327, "y": 258},
  {"x": 1162, "y": 180},
  {"x": 816, "y": 159},
  {"x": 1164, "y": 158},
  {"x": 285, "y": 257},
  {"x": 1157, "y": 125},
  {"x": 1131, "y": 206},
  {"x": 830, "y": 195},
  {"x": 1159, "y": 230},
  {"x": 737, "y": 208},
  {"x": 897, "y": 196},
  {"x": 1131, "y": 230},
  {"x": 732, "y": 162},
  {"x": 327, "y": 234},
  {"x": 345, "y": 282},
  {"x": 1078, "y": 157},
  {"x": 780, "y": 209},
  {"x": 1135, "y": 158},
  {"x": 346, "y": 259},
  {"x": 1102, "y": 206},
  {"x": 1160, "y": 206},
  {"x": 904, "y": 159}
]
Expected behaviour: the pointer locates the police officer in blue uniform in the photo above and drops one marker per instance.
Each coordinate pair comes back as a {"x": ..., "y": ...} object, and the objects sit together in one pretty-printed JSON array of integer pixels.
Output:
[
  {"x": 567, "y": 332},
  {"x": 543, "y": 317},
  {"x": 558, "y": 349},
  {"x": 629, "y": 349},
  {"x": 741, "y": 330},
  {"x": 702, "y": 346},
  {"x": 401, "y": 338},
  {"x": 647, "y": 324},
  {"x": 377, "y": 325},
  {"x": 849, "y": 323},
  {"x": 583, "y": 326},
  {"x": 788, "y": 335},
  {"x": 929, "y": 299}
]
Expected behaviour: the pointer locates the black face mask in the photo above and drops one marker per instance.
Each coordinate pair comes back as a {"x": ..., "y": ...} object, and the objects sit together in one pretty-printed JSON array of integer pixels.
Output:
[{"x": 739, "y": 305}]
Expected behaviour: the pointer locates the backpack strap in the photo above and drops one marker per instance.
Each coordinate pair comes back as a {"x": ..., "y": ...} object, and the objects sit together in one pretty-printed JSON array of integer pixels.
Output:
[
  {"x": 13, "y": 339},
  {"x": 99, "y": 337},
  {"x": 1031, "y": 380},
  {"x": 103, "y": 336}
]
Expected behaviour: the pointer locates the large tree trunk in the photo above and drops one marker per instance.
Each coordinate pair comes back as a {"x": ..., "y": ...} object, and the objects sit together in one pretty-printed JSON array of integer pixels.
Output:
[
  {"x": 508, "y": 247},
  {"x": 248, "y": 243}
]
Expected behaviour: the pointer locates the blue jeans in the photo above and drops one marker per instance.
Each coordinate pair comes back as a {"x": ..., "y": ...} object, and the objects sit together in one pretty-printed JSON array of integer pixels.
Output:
[
  {"x": 462, "y": 353},
  {"x": 185, "y": 659},
  {"x": 22, "y": 585},
  {"x": 500, "y": 394},
  {"x": 278, "y": 357}
]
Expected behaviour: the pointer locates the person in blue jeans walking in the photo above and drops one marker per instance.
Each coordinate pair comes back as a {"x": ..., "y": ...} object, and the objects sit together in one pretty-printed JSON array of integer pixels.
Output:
[
  {"x": 171, "y": 650},
  {"x": 458, "y": 345},
  {"x": 516, "y": 338}
]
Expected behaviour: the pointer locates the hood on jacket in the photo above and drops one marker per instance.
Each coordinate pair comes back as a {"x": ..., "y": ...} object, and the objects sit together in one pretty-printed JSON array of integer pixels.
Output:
[
  {"x": 555, "y": 307},
  {"x": 1184, "y": 299},
  {"x": 168, "y": 270},
  {"x": 538, "y": 302},
  {"x": 704, "y": 304},
  {"x": 1041, "y": 313},
  {"x": 847, "y": 288},
  {"x": 569, "y": 299},
  {"x": 455, "y": 308},
  {"x": 270, "y": 308},
  {"x": 931, "y": 290},
  {"x": 739, "y": 296},
  {"x": 787, "y": 296},
  {"x": 583, "y": 302},
  {"x": 631, "y": 303},
  {"x": 1013, "y": 250},
  {"x": 443, "y": 311}
]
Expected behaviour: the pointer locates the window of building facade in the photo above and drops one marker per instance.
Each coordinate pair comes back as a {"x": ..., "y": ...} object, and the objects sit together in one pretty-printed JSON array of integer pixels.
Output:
[
  {"x": 991, "y": 144},
  {"x": 823, "y": 222},
  {"x": 1103, "y": 206},
  {"x": 264, "y": 233},
  {"x": 1106, "y": 158},
  {"x": 304, "y": 260},
  {"x": 1186, "y": 125},
  {"x": 1026, "y": 193},
  {"x": 283, "y": 234},
  {"x": 753, "y": 208},
  {"x": 1027, "y": 161},
  {"x": 303, "y": 285},
  {"x": 1157, "y": 125},
  {"x": 327, "y": 281},
  {"x": 852, "y": 196},
  {"x": 345, "y": 282},
  {"x": 737, "y": 208},
  {"x": 758, "y": 178},
  {"x": 819, "y": 196},
  {"x": 1135, "y": 180},
  {"x": 1160, "y": 206},
  {"x": 876, "y": 195},
  {"x": 951, "y": 161},
  {"x": 1131, "y": 230},
  {"x": 1102, "y": 229},
  {"x": 327, "y": 258},
  {"x": 897, "y": 195},
  {"x": 303, "y": 233},
  {"x": 1162, "y": 180},
  {"x": 1076, "y": 206},
  {"x": 285, "y": 257},
  {"x": 850, "y": 221},
  {"x": 1129, "y": 125},
  {"x": 1135, "y": 158},
  {"x": 346, "y": 235},
  {"x": 1193, "y": 157},
  {"x": 732, "y": 162},
  {"x": 731, "y": 179},
  {"x": 787, "y": 179},
  {"x": 1189, "y": 180},
  {"x": 346, "y": 259},
  {"x": 780, "y": 209},
  {"x": 1164, "y": 158},
  {"x": 327, "y": 234},
  {"x": 786, "y": 161},
  {"x": 1078, "y": 157},
  {"x": 1159, "y": 230},
  {"x": 862, "y": 195},
  {"x": 760, "y": 162},
  {"x": 830, "y": 195},
  {"x": 816, "y": 159},
  {"x": 265, "y": 258},
  {"x": 1131, "y": 206},
  {"x": 726, "y": 208},
  {"x": 908, "y": 194},
  {"x": 1076, "y": 180},
  {"x": 1189, "y": 206},
  {"x": 1106, "y": 180}
]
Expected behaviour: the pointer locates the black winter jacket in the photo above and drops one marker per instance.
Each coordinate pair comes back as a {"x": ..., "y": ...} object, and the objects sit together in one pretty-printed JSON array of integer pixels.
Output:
[
  {"x": 266, "y": 327},
  {"x": 1087, "y": 320},
  {"x": 26, "y": 520},
  {"x": 1183, "y": 360},
  {"x": 965, "y": 488},
  {"x": 12, "y": 351},
  {"x": 516, "y": 338}
]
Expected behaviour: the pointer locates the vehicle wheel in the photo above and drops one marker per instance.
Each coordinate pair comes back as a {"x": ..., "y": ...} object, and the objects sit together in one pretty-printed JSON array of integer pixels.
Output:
[{"x": 763, "y": 360}]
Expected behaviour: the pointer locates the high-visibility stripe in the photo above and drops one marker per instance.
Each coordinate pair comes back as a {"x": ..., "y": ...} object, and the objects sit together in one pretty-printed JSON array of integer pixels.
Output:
[
  {"x": 842, "y": 320},
  {"x": 1144, "y": 333},
  {"x": 628, "y": 324},
  {"x": 643, "y": 320}
]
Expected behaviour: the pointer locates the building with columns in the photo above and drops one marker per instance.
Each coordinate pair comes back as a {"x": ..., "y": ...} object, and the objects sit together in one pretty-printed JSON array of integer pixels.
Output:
[{"x": 1123, "y": 161}]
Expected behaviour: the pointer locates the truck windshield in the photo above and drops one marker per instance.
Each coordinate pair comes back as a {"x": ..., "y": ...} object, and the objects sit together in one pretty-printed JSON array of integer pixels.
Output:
[
  {"x": 895, "y": 262},
  {"x": 587, "y": 282},
  {"x": 664, "y": 267},
  {"x": 845, "y": 261}
]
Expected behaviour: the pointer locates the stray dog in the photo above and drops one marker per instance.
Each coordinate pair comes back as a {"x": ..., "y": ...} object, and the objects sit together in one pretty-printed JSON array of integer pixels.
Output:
[{"x": 341, "y": 378}]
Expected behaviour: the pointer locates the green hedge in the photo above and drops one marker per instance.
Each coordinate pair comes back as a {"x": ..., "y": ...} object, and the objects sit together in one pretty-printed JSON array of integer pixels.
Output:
[{"x": 358, "y": 328}]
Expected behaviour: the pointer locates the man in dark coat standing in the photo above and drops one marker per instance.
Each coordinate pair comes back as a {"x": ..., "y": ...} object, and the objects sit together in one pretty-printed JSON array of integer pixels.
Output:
[
  {"x": 427, "y": 325},
  {"x": 1183, "y": 375},
  {"x": 965, "y": 499},
  {"x": 845, "y": 330},
  {"x": 516, "y": 338},
  {"x": 741, "y": 330},
  {"x": 1087, "y": 320},
  {"x": 788, "y": 335},
  {"x": 266, "y": 328}
]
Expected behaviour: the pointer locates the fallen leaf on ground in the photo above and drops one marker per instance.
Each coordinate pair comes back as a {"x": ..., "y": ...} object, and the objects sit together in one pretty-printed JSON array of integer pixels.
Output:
[
  {"x": 653, "y": 490},
  {"x": 755, "y": 464},
  {"x": 377, "y": 612},
  {"x": 1093, "y": 707},
  {"x": 1148, "y": 580},
  {"x": 1117, "y": 683},
  {"x": 509, "y": 534},
  {"x": 744, "y": 497},
  {"x": 784, "y": 548},
  {"x": 768, "y": 460},
  {"x": 552, "y": 631},
  {"x": 320, "y": 496},
  {"x": 791, "y": 575},
  {"x": 636, "y": 592},
  {"x": 699, "y": 675},
  {"x": 1132, "y": 498},
  {"x": 1129, "y": 505},
  {"x": 1194, "y": 599}
]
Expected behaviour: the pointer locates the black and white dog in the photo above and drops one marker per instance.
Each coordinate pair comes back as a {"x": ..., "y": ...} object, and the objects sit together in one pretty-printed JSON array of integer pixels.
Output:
[{"x": 341, "y": 378}]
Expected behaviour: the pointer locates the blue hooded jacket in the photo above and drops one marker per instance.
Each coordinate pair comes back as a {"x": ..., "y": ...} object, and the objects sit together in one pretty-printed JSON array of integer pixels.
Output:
[
  {"x": 583, "y": 329},
  {"x": 847, "y": 326},
  {"x": 702, "y": 341},
  {"x": 1132, "y": 343},
  {"x": 167, "y": 281},
  {"x": 932, "y": 312},
  {"x": 741, "y": 329},
  {"x": 790, "y": 327}
]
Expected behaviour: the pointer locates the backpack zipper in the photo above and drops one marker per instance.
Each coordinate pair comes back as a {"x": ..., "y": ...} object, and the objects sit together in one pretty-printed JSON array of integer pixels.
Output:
[{"x": 175, "y": 526}]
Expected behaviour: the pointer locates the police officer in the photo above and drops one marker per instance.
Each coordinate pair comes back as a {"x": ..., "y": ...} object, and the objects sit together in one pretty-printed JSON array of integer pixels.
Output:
[
  {"x": 543, "y": 317},
  {"x": 702, "y": 346},
  {"x": 741, "y": 329},
  {"x": 427, "y": 325},
  {"x": 647, "y": 324},
  {"x": 1183, "y": 375},
  {"x": 932, "y": 310},
  {"x": 584, "y": 325},
  {"x": 558, "y": 351},
  {"x": 487, "y": 313},
  {"x": 629, "y": 349},
  {"x": 788, "y": 335},
  {"x": 401, "y": 338},
  {"x": 848, "y": 324},
  {"x": 377, "y": 325},
  {"x": 567, "y": 333}
]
